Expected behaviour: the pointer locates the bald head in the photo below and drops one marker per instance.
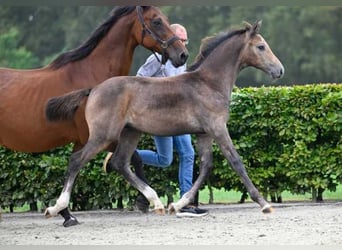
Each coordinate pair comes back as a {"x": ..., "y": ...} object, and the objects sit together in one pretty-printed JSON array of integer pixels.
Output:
[{"x": 179, "y": 31}]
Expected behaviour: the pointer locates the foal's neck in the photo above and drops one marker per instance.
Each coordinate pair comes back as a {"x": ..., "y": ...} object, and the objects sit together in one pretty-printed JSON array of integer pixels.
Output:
[{"x": 223, "y": 65}]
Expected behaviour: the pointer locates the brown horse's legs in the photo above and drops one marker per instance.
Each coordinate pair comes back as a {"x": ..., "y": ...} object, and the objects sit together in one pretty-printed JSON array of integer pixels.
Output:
[
  {"x": 226, "y": 145},
  {"x": 136, "y": 182},
  {"x": 194, "y": 178},
  {"x": 137, "y": 163},
  {"x": 204, "y": 146},
  {"x": 141, "y": 202}
]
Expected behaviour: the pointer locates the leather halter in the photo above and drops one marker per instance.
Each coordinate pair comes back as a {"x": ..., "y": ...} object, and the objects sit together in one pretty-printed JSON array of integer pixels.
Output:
[{"x": 164, "y": 44}]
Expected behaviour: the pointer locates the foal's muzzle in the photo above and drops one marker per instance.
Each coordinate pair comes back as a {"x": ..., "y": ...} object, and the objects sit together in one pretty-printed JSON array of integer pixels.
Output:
[{"x": 277, "y": 72}]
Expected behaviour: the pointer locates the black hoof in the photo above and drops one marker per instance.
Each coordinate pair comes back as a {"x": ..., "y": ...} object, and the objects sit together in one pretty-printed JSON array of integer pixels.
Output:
[
  {"x": 72, "y": 221},
  {"x": 142, "y": 203}
]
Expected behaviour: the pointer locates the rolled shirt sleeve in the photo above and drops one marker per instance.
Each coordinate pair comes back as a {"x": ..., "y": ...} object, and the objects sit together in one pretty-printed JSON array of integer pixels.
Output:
[{"x": 153, "y": 68}]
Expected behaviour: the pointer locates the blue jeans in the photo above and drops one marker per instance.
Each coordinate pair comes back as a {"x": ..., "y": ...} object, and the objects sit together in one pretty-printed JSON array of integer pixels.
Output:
[{"x": 164, "y": 157}]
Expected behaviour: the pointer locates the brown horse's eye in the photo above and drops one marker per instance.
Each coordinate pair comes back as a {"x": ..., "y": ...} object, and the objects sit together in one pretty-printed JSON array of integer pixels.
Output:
[
  {"x": 261, "y": 47},
  {"x": 157, "y": 22}
]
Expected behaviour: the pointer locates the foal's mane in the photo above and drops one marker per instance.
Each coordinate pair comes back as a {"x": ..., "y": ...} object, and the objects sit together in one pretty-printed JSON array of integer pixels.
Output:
[
  {"x": 210, "y": 43},
  {"x": 90, "y": 44}
]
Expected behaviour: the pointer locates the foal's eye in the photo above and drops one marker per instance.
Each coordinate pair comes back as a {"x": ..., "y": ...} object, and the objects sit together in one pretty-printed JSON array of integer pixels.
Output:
[
  {"x": 157, "y": 22},
  {"x": 261, "y": 47}
]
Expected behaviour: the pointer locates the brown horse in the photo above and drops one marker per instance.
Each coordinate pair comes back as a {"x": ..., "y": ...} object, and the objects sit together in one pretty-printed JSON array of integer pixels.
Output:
[
  {"x": 108, "y": 52},
  {"x": 120, "y": 109}
]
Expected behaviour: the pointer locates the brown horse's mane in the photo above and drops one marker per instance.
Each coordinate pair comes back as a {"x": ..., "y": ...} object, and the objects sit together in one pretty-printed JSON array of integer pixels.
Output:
[
  {"x": 90, "y": 44},
  {"x": 208, "y": 44}
]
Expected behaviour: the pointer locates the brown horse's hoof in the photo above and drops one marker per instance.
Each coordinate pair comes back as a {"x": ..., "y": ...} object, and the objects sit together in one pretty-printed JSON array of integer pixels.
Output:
[
  {"x": 267, "y": 209},
  {"x": 160, "y": 211},
  {"x": 142, "y": 204}
]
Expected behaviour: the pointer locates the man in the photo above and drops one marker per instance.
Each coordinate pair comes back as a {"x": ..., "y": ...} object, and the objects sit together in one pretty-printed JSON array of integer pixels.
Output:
[{"x": 163, "y": 157}]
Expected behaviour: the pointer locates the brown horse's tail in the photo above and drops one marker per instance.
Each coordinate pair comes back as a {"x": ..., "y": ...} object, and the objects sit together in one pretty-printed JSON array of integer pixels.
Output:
[{"x": 63, "y": 108}]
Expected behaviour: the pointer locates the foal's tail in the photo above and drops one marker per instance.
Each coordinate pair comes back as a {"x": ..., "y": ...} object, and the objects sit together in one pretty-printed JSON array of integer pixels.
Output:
[{"x": 63, "y": 108}]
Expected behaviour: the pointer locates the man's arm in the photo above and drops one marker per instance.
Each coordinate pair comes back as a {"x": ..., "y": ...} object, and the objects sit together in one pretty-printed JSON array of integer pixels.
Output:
[{"x": 150, "y": 67}]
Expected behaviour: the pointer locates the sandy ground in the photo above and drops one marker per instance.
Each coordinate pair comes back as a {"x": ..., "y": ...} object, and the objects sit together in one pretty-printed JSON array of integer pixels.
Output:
[{"x": 229, "y": 224}]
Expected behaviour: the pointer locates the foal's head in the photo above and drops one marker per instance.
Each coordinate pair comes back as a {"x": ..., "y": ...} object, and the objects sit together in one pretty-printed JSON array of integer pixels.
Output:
[
  {"x": 153, "y": 31},
  {"x": 258, "y": 54}
]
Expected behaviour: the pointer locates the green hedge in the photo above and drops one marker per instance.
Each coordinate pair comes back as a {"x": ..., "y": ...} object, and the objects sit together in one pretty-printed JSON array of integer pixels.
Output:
[{"x": 288, "y": 137}]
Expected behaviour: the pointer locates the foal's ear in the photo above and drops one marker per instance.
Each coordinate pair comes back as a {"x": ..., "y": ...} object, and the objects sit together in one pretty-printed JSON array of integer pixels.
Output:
[
  {"x": 256, "y": 28},
  {"x": 253, "y": 29},
  {"x": 248, "y": 26}
]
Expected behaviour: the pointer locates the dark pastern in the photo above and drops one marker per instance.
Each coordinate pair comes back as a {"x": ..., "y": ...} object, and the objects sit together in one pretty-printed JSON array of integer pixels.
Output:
[
  {"x": 72, "y": 221},
  {"x": 141, "y": 202},
  {"x": 69, "y": 220}
]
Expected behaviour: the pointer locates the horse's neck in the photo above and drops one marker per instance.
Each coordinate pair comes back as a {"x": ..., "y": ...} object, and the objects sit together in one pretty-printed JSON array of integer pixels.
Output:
[
  {"x": 223, "y": 66},
  {"x": 113, "y": 55}
]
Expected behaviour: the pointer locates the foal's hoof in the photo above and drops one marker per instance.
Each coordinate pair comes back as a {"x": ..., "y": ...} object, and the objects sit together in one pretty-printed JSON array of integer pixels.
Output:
[
  {"x": 267, "y": 209},
  {"x": 105, "y": 166},
  {"x": 72, "y": 221},
  {"x": 159, "y": 211},
  {"x": 171, "y": 209},
  {"x": 47, "y": 213}
]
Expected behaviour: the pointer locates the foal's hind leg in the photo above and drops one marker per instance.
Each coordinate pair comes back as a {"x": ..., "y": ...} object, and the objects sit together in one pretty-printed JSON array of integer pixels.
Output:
[
  {"x": 69, "y": 219},
  {"x": 204, "y": 146},
  {"x": 226, "y": 145},
  {"x": 76, "y": 162}
]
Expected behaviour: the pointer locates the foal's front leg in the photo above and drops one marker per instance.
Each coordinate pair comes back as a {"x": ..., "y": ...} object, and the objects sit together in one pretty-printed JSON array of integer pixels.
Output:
[
  {"x": 221, "y": 136},
  {"x": 204, "y": 146},
  {"x": 128, "y": 142},
  {"x": 64, "y": 198}
]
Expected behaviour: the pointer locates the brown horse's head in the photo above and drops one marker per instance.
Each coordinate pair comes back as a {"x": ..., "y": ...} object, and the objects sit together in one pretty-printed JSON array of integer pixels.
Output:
[
  {"x": 258, "y": 54},
  {"x": 153, "y": 31}
]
